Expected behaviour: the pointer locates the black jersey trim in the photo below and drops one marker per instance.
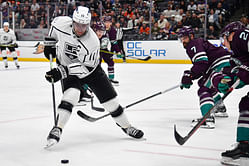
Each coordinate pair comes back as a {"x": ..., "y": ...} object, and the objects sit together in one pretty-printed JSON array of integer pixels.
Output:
[
  {"x": 53, "y": 27},
  {"x": 84, "y": 46}
]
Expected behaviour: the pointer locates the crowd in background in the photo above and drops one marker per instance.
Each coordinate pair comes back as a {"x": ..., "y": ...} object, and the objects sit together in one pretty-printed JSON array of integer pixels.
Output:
[{"x": 167, "y": 16}]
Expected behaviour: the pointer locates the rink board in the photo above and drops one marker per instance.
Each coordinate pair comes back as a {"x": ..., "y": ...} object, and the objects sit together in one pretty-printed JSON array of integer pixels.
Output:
[{"x": 162, "y": 52}]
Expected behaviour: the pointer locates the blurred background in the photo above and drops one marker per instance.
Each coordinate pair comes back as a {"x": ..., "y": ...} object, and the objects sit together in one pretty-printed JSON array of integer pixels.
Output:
[{"x": 148, "y": 20}]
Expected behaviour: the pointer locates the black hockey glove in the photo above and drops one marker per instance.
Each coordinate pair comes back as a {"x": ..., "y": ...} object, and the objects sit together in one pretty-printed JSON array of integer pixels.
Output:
[
  {"x": 15, "y": 45},
  {"x": 54, "y": 75},
  {"x": 186, "y": 79},
  {"x": 49, "y": 47}
]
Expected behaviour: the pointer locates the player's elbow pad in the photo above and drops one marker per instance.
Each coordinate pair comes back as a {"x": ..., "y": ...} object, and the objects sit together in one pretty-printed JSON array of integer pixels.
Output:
[{"x": 49, "y": 47}]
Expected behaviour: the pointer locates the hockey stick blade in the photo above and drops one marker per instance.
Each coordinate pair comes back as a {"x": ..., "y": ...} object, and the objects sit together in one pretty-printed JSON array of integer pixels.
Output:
[
  {"x": 179, "y": 139},
  {"x": 141, "y": 59},
  {"x": 90, "y": 119}
]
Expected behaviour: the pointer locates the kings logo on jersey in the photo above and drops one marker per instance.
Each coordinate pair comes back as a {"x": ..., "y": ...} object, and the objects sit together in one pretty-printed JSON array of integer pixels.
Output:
[{"x": 71, "y": 50}]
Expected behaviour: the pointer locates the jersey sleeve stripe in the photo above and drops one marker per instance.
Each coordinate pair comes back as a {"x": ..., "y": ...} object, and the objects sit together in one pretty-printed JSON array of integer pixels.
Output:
[
  {"x": 196, "y": 55},
  {"x": 84, "y": 47},
  {"x": 61, "y": 31}
]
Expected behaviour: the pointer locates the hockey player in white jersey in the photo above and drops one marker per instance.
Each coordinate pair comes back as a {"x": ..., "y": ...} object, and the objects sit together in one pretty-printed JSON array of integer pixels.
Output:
[
  {"x": 8, "y": 40},
  {"x": 77, "y": 52}
]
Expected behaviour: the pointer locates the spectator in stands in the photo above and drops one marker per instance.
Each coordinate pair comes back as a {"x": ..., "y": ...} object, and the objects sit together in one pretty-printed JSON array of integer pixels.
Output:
[
  {"x": 212, "y": 4},
  {"x": 192, "y": 6},
  {"x": 195, "y": 22},
  {"x": 144, "y": 29},
  {"x": 167, "y": 30},
  {"x": 178, "y": 17},
  {"x": 183, "y": 5},
  {"x": 123, "y": 22},
  {"x": 23, "y": 24},
  {"x": 162, "y": 21},
  {"x": 155, "y": 29},
  {"x": 35, "y": 6},
  {"x": 244, "y": 20},
  {"x": 133, "y": 22},
  {"x": 213, "y": 19},
  {"x": 32, "y": 24},
  {"x": 155, "y": 14},
  {"x": 129, "y": 13},
  {"x": 42, "y": 24},
  {"x": 168, "y": 12},
  {"x": 172, "y": 22},
  {"x": 212, "y": 33},
  {"x": 178, "y": 26},
  {"x": 221, "y": 13}
]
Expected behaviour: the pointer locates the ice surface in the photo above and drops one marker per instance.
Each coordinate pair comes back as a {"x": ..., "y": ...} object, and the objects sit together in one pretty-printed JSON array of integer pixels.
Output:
[{"x": 26, "y": 117}]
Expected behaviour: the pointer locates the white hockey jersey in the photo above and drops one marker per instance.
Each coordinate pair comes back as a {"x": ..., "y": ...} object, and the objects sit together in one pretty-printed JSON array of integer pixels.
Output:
[
  {"x": 7, "y": 38},
  {"x": 79, "y": 55}
]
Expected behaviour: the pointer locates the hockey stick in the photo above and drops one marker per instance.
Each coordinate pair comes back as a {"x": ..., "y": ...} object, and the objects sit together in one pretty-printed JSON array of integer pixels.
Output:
[
  {"x": 36, "y": 45},
  {"x": 141, "y": 59},
  {"x": 92, "y": 119},
  {"x": 181, "y": 140},
  {"x": 53, "y": 92}
]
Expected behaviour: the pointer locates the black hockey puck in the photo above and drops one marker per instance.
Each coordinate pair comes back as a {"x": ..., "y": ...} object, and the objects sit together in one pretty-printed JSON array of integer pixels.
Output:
[{"x": 64, "y": 161}]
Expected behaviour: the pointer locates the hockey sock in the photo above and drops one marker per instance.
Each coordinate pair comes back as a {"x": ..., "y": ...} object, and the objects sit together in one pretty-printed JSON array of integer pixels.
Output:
[
  {"x": 5, "y": 60},
  {"x": 120, "y": 118},
  {"x": 243, "y": 127},
  {"x": 111, "y": 76},
  {"x": 13, "y": 54},
  {"x": 216, "y": 98},
  {"x": 242, "y": 134},
  {"x": 205, "y": 108}
]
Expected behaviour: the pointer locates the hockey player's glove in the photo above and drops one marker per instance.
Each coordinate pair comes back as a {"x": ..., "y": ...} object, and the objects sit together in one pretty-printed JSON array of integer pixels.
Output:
[
  {"x": 49, "y": 47},
  {"x": 223, "y": 84},
  {"x": 186, "y": 79},
  {"x": 119, "y": 55},
  {"x": 15, "y": 45},
  {"x": 56, "y": 74},
  {"x": 242, "y": 72}
]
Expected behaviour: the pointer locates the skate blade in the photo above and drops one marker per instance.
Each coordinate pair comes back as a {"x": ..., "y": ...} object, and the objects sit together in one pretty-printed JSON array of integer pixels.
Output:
[
  {"x": 229, "y": 161},
  {"x": 244, "y": 161},
  {"x": 50, "y": 143},
  {"x": 207, "y": 126},
  {"x": 221, "y": 115}
]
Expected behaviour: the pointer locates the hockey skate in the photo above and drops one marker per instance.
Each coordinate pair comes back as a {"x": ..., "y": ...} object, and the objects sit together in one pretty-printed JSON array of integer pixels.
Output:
[
  {"x": 114, "y": 82},
  {"x": 53, "y": 137},
  {"x": 17, "y": 66},
  {"x": 237, "y": 156},
  {"x": 6, "y": 66},
  {"x": 221, "y": 111},
  {"x": 133, "y": 132},
  {"x": 208, "y": 124}
]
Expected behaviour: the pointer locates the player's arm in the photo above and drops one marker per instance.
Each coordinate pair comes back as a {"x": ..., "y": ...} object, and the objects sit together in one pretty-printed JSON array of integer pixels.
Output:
[
  {"x": 200, "y": 65},
  {"x": 50, "y": 42}
]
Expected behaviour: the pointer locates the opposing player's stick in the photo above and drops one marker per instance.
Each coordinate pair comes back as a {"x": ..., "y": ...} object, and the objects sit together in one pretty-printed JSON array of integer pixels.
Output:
[
  {"x": 11, "y": 45},
  {"x": 53, "y": 92},
  {"x": 92, "y": 119},
  {"x": 141, "y": 59},
  {"x": 181, "y": 140}
]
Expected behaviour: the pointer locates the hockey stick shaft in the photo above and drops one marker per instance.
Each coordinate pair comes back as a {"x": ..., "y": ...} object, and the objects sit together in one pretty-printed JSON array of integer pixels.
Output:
[
  {"x": 92, "y": 119},
  {"x": 156, "y": 94},
  {"x": 6, "y": 45},
  {"x": 181, "y": 140},
  {"x": 142, "y": 59},
  {"x": 53, "y": 91}
]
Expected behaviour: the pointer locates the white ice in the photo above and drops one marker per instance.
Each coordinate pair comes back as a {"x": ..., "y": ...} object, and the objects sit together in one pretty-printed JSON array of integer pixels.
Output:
[{"x": 26, "y": 117}]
